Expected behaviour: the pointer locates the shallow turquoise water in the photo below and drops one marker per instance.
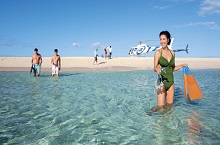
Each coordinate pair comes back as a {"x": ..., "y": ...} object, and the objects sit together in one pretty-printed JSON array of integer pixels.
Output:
[{"x": 105, "y": 108}]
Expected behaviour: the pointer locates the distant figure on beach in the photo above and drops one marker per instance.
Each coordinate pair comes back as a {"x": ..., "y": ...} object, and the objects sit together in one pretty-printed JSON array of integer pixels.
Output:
[
  {"x": 105, "y": 53},
  {"x": 110, "y": 52},
  {"x": 164, "y": 65},
  {"x": 36, "y": 62},
  {"x": 56, "y": 61},
  {"x": 95, "y": 56}
]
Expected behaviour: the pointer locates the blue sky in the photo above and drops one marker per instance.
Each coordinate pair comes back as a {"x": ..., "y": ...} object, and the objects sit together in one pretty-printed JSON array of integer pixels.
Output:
[{"x": 77, "y": 27}]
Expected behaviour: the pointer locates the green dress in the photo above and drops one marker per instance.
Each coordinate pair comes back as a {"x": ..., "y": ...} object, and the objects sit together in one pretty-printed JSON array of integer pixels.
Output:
[{"x": 167, "y": 75}]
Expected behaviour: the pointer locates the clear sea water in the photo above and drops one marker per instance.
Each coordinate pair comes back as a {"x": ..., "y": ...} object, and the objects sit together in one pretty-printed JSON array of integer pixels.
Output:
[{"x": 105, "y": 108}]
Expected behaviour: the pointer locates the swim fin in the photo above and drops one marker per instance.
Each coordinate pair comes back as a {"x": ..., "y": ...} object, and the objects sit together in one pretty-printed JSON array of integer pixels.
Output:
[{"x": 190, "y": 85}]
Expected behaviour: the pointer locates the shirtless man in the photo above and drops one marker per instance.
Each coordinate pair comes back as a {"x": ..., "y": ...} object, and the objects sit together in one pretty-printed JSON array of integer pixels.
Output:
[
  {"x": 56, "y": 61},
  {"x": 36, "y": 62}
]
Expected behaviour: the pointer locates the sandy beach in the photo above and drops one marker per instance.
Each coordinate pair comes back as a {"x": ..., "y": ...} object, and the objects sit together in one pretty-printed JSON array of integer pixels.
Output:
[{"x": 115, "y": 64}]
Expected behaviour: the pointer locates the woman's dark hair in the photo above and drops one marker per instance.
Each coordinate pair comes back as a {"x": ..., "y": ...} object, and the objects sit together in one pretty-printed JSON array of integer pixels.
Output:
[{"x": 167, "y": 34}]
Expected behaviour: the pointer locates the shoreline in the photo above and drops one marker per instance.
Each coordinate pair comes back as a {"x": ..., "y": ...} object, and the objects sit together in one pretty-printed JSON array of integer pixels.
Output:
[
  {"x": 84, "y": 69},
  {"x": 73, "y": 69},
  {"x": 77, "y": 64}
]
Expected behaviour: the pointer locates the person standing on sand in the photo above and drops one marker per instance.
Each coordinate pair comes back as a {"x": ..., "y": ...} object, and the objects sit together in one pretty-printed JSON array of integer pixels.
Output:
[
  {"x": 56, "y": 61},
  {"x": 164, "y": 65},
  {"x": 105, "y": 53},
  {"x": 36, "y": 62},
  {"x": 95, "y": 56},
  {"x": 110, "y": 52}
]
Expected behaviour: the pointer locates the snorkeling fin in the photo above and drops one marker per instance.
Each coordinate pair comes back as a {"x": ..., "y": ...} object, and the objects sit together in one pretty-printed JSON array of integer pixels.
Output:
[
  {"x": 191, "y": 85},
  {"x": 185, "y": 86}
]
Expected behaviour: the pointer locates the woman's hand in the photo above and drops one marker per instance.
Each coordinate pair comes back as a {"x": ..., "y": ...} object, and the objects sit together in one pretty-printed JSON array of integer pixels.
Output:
[
  {"x": 185, "y": 64},
  {"x": 158, "y": 69}
]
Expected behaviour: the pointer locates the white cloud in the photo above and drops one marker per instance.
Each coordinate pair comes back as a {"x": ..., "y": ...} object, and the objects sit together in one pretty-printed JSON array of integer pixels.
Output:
[
  {"x": 14, "y": 42},
  {"x": 179, "y": 0},
  {"x": 96, "y": 45},
  {"x": 209, "y": 7},
  {"x": 161, "y": 7},
  {"x": 211, "y": 25},
  {"x": 76, "y": 44},
  {"x": 9, "y": 42}
]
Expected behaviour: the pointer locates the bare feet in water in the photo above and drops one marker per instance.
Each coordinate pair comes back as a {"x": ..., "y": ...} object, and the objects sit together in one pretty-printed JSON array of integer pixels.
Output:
[{"x": 154, "y": 109}]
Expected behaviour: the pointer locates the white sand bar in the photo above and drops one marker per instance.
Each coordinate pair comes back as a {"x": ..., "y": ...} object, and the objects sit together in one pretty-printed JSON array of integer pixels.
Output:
[{"x": 115, "y": 64}]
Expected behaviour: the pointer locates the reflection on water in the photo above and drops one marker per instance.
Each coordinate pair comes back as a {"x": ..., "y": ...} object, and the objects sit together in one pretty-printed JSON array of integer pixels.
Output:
[{"x": 194, "y": 127}]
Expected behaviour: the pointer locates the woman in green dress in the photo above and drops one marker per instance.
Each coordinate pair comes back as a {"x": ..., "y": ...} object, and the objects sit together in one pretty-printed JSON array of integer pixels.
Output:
[{"x": 164, "y": 59}]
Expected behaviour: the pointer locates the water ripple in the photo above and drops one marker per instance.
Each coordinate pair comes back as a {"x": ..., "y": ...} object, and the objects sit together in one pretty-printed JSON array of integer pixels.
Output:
[{"x": 105, "y": 108}]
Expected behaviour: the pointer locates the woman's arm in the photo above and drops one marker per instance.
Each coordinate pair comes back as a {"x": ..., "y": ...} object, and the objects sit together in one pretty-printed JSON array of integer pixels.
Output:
[
  {"x": 157, "y": 67},
  {"x": 178, "y": 67}
]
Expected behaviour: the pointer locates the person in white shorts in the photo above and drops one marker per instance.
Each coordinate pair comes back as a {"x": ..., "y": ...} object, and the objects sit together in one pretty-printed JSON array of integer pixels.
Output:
[{"x": 56, "y": 61}]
